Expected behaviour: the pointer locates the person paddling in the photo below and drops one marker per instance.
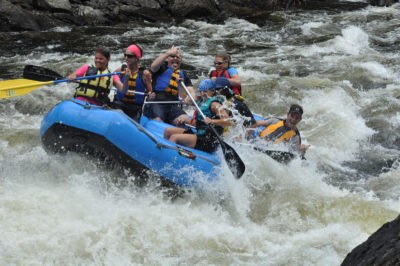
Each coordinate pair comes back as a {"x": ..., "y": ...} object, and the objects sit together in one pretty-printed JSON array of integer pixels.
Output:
[
  {"x": 284, "y": 130},
  {"x": 96, "y": 90},
  {"x": 203, "y": 139},
  {"x": 136, "y": 83}
]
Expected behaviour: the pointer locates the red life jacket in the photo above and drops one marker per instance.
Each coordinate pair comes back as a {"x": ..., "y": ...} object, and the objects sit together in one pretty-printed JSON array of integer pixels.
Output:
[{"x": 216, "y": 74}]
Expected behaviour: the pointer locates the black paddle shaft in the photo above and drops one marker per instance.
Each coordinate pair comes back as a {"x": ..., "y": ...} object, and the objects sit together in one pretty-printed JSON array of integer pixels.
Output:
[{"x": 233, "y": 160}]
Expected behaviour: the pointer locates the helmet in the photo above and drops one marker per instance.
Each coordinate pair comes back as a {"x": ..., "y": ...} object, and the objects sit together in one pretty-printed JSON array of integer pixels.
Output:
[
  {"x": 221, "y": 82},
  {"x": 206, "y": 84}
]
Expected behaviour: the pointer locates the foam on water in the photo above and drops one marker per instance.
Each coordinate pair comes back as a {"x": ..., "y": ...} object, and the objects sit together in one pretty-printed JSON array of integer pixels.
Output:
[{"x": 64, "y": 209}]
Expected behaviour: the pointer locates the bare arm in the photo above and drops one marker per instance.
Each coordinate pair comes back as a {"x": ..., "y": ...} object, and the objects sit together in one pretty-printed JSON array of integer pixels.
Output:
[
  {"x": 147, "y": 80},
  {"x": 235, "y": 80},
  {"x": 118, "y": 84},
  {"x": 261, "y": 123},
  {"x": 224, "y": 119},
  {"x": 183, "y": 95},
  {"x": 123, "y": 87},
  {"x": 155, "y": 66}
]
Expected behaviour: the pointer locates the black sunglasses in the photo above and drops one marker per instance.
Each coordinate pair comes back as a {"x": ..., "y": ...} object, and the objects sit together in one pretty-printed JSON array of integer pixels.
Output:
[
  {"x": 174, "y": 56},
  {"x": 130, "y": 55},
  {"x": 218, "y": 63}
]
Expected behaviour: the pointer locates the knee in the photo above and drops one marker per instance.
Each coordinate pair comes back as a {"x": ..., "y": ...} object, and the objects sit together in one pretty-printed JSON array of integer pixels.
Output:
[
  {"x": 167, "y": 133},
  {"x": 174, "y": 138}
]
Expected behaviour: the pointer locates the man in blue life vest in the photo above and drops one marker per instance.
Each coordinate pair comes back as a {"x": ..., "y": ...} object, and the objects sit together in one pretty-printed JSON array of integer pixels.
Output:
[
  {"x": 284, "y": 130},
  {"x": 166, "y": 77}
]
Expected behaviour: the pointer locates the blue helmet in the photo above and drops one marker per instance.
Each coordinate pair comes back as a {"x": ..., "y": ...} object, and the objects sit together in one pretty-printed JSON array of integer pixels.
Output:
[
  {"x": 206, "y": 84},
  {"x": 222, "y": 82}
]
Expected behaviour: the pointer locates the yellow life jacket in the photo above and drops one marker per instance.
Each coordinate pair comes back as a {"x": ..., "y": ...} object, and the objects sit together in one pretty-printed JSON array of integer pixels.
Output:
[
  {"x": 239, "y": 97},
  {"x": 97, "y": 87},
  {"x": 278, "y": 132},
  {"x": 173, "y": 83}
]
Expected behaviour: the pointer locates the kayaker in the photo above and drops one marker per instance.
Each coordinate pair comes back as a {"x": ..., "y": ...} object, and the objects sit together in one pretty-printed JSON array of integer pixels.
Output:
[
  {"x": 137, "y": 83},
  {"x": 166, "y": 76},
  {"x": 222, "y": 63},
  {"x": 96, "y": 91},
  {"x": 284, "y": 130},
  {"x": 216, "y": 116},
  {"x": 237, "y": 108}
]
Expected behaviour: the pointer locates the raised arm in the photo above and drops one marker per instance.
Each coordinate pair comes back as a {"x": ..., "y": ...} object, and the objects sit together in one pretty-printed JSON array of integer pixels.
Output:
[{"x": 155, "y": 66}]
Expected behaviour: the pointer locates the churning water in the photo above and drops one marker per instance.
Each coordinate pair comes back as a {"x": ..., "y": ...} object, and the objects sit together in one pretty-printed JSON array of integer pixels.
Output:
[{"x": 342, "y": 67}]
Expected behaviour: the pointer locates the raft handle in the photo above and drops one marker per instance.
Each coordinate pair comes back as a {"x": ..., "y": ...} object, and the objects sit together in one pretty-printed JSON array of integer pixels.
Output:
[{"x": 186, "y": 153}]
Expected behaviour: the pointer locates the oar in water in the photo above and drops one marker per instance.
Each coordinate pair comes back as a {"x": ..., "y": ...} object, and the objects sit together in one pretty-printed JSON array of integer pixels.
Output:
[
  {"x": 233, "y": 160},
  {"x": 18, "y": 87},
  {"x": 280, "y": 156}
]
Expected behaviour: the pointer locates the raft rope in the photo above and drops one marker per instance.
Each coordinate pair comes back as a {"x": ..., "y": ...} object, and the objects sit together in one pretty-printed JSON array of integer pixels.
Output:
[{"x": 183, "y": 152}]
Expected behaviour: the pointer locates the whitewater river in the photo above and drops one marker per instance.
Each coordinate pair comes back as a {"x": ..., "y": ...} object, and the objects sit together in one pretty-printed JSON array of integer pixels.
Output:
[{"x": 342, "y": 68}]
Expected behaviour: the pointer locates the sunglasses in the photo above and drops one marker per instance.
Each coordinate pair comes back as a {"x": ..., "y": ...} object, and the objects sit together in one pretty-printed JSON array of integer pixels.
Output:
[
  {"x": 175, "y": 56},
  {"x": 130, "y": 55},
  {"x": 218, "y": 63}
]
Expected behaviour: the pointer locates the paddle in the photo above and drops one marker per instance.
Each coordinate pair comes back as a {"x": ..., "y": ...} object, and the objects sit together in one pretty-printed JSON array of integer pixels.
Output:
[
  {"x": 280, "y": 156},
  {"x": 233, "y": 160},
  {"x": 39, "y": 73},
  {"x": 18, "y": 87}
]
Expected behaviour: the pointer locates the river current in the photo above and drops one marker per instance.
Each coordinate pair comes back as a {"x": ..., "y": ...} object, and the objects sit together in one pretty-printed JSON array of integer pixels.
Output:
[{"x": 343, "y": 68}]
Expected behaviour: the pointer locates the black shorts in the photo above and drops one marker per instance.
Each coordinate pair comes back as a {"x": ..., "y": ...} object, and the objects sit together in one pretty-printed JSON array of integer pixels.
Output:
[
  {"x": 167, "y": 112},
  {"x": 133, "y": 110},
  {"x": 207, "y": 142}
]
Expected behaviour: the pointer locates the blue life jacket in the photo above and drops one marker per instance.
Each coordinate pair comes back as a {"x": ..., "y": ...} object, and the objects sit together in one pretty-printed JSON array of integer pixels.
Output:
[{"x": 136, "y": 84}]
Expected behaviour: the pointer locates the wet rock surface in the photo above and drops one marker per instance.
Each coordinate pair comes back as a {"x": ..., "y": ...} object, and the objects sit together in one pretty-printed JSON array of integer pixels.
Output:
[
  {"x": 36, "y": 15},
  {"x": 381, "y": 248}
]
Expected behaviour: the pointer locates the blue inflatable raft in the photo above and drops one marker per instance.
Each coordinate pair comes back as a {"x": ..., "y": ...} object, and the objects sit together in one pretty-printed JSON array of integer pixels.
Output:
[{"x": 109, "y": 134}]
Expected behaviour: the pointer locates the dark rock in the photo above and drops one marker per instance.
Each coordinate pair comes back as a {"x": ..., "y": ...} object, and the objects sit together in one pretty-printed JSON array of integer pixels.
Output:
[
  {"x": 382, "y": 248},
  {"x": 53, "y": 5},
  {"x": 17, "y": 15},
  {"x": 383, "y": 2},
  {"x": 15, "y": 18},
  {"x": 193, "y": 8}
]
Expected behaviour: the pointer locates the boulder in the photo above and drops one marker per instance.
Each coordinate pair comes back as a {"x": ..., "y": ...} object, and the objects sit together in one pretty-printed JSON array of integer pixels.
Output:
[
  {"x": 15, "y": 18},
  {"x": 61, "y": 5},
  {"x": 383, "y": 2},
  {"x": 381, "y": 248},
  {"x": 193, "y": 8},
  {"x": 45, "y": 14}
]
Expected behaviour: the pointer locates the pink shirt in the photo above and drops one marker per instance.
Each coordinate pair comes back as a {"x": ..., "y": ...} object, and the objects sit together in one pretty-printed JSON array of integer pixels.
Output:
[{"x": 82, "y": 71}]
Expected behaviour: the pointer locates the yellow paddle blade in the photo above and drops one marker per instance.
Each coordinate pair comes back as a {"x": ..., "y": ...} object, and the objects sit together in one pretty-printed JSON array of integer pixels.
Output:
[{"x": 18, "y": 87}]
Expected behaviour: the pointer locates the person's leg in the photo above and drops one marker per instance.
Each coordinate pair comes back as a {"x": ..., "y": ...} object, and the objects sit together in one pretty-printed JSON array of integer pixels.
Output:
[
  {"x": 188, "y": 140},
  {"x": 177, "y": 116},
  {"x": 169, "y": 131},
  {"x": 155, "y": 112},
  {"x": 181, "y": 120}
]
